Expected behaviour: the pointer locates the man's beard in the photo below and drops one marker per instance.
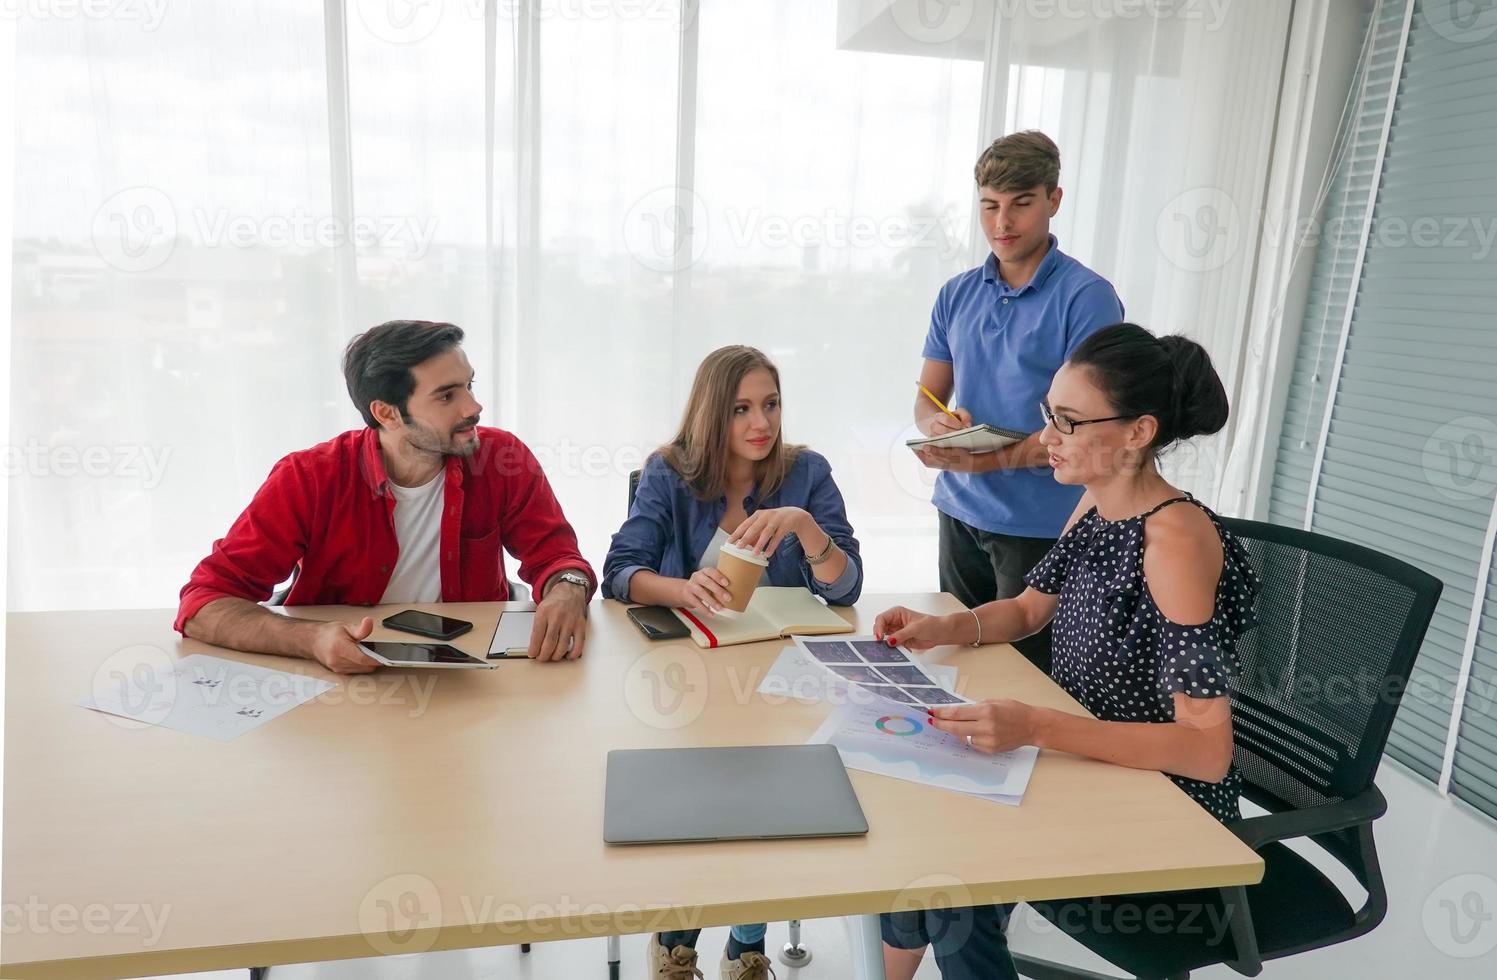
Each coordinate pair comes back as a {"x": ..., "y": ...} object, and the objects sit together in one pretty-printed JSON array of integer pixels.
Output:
[{"x": 421, "y": 436}]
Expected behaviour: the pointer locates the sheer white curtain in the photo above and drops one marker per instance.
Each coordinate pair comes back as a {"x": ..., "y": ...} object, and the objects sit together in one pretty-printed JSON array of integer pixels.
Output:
[
  {"x": 1165, "y": 122},
  {"x": 164, "y": 351},
  {"x": 209, "y": 206},
  {"x": 592, "y": 362},
  {"x": 830, "y": 197},
  {"x": 7, "y": 220}
]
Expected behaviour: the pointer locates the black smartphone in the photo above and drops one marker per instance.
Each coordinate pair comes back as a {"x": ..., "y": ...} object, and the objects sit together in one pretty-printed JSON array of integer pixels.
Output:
[
  {"x": 658, "y": 622},
  {"x": 427, "y": 624}
]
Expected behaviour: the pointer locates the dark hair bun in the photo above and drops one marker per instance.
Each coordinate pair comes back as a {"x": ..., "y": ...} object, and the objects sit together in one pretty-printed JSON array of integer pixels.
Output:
[
  {"x": 1200, "y": 399},
  {"x": 1170, "y": 378}
]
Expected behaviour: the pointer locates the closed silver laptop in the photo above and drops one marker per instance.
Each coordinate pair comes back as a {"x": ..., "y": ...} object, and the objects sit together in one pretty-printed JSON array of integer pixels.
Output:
[{"x": 744, "y": 792}]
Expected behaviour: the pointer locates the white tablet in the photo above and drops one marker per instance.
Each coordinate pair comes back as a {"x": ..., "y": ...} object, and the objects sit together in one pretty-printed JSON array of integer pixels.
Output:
[{"x": 421, "y": 655}]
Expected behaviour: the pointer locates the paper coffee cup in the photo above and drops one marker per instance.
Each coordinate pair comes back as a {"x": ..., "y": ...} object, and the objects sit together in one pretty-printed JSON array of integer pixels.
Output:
[{"x": 743, "y": 570}]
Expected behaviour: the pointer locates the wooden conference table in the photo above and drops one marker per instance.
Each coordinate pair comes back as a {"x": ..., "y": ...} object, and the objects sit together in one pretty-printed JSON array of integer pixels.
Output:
[{"x": 406, "y": 811}]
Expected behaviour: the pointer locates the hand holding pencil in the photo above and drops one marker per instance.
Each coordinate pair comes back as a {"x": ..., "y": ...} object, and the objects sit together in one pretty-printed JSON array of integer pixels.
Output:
[{"x": 949, "y": 420}]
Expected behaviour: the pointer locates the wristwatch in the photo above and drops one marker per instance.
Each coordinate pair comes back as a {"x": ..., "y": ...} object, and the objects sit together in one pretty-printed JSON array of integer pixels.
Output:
[{"x": 575, "y": 578}]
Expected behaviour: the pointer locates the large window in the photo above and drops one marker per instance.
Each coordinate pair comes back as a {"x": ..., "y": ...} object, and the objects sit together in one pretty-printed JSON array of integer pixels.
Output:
[{"x": 211, "y": 204}]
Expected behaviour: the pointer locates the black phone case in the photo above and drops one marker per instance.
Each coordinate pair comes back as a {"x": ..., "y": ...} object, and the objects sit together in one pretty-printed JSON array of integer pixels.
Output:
[
  {"x": 429, "y": 634},
  {"x": 652, "y": 630}
]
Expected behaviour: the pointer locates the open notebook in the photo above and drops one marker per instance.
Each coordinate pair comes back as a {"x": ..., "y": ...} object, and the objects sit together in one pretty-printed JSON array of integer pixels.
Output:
[
  {"x": 974, "y": 439},
  {"x": 773, "y": 612}
]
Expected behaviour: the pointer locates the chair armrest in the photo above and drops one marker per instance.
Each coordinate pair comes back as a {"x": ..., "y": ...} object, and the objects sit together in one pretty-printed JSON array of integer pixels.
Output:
[{"x": 1363, "y": 808}]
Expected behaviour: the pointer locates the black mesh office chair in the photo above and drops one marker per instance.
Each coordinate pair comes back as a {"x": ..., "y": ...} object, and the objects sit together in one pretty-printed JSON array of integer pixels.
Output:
[{"x": 1338, "y": 628}]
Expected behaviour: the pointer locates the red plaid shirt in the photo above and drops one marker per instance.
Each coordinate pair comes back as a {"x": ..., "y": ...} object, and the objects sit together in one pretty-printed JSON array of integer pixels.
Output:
[{"x": 329, "y": 512}]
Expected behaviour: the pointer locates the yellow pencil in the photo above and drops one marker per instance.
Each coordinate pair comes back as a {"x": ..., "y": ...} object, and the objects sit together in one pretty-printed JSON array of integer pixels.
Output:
[{"x": 927, "y": 393}]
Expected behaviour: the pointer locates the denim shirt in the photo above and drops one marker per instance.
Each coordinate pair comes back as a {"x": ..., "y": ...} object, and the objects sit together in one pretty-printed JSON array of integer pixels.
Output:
[{"x": 668, "y": 529}]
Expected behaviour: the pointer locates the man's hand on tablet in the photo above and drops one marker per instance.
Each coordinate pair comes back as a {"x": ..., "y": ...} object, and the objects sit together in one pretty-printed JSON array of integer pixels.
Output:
[{"x": 336, "y": 647}]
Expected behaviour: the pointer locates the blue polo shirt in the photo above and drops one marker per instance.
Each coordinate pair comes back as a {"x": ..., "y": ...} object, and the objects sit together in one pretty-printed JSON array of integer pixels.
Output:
[{"x": 1004, "y": 346}]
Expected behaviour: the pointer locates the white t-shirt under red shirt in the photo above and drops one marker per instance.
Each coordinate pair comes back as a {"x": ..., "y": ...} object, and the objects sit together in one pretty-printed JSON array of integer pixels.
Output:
[{"x": 418, "y": 526}]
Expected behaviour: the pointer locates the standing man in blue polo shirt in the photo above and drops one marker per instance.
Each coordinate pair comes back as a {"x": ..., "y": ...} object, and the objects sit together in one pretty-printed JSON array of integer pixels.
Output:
[{"x": 998, "y": 334}]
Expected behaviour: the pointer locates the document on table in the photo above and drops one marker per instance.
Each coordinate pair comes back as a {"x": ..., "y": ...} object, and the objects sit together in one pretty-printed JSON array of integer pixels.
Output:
[
  {"x": 512, "y": 634},
  {"x": 201, "y": 695},
  {"x": 902, "y": 744},
  {"x": 879, "y": 669},
  {"x": 796, "y": 674}
]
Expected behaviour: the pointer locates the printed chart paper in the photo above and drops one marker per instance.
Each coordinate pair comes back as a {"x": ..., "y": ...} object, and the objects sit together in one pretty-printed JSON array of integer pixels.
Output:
[
  {"x": 879, "y": 669},
  {"x": 796, "y": 674},
  {"x": 902, "y": 744}
]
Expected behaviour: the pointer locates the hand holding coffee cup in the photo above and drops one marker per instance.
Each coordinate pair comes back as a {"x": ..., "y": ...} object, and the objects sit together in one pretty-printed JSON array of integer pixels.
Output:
[
  {"x": 742, "y": 568},
  {"x": 763, "y": 530},
  {"x": 707, "y": 588}
]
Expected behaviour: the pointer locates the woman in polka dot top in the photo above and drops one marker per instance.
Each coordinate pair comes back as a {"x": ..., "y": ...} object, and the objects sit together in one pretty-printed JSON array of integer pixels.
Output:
[{"x": 1147, "y": 594}]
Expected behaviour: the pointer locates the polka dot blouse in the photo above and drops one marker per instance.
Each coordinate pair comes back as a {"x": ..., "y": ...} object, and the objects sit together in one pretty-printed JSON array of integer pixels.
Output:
[{"x": 1116, "y": 653}]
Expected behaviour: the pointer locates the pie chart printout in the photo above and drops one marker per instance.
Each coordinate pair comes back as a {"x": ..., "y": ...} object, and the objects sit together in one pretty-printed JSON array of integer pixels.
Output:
[{"x": 898, "y": 725}]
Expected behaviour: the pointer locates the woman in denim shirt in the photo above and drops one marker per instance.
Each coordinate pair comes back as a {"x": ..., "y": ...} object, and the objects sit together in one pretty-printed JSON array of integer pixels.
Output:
[{"x": 729, "y": 476}]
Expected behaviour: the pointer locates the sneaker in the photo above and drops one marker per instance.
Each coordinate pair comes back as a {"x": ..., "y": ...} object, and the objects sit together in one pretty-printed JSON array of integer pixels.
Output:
[
  {"x": 749, "y": 966},
  {"x": 676, "y": 964}
]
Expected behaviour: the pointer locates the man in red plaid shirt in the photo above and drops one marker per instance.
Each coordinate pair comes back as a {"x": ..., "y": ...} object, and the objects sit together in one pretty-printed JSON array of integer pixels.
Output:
[{"x": 417, "y": 507}]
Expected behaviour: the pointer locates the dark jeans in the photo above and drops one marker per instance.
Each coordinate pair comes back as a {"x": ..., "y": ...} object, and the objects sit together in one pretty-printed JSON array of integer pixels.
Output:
[
  {"x": 746, "y": 935},
  {"x": 979, "y": 566},
  {"x": 969, "y": 943}
]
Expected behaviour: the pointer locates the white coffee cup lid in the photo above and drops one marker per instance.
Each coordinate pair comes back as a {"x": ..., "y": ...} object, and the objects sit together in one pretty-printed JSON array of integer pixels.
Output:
[{"x": 745, "y": 554}]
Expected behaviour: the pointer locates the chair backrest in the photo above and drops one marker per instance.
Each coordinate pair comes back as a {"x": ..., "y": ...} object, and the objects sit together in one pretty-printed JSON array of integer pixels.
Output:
[
  {"x": 280, "y": 592},
  {"x": 1323, "y": 672},
  {"x": 633, "y": 489}
]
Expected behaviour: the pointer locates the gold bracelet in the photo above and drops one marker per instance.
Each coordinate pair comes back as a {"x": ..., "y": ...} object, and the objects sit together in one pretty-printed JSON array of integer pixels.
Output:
[{"x": 978, "y": 620}]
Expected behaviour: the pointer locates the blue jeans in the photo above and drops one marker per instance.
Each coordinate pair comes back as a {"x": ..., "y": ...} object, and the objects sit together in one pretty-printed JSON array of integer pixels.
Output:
[
  {"x": 969, "y": 943},
  {"x": 748, "y": 935}
]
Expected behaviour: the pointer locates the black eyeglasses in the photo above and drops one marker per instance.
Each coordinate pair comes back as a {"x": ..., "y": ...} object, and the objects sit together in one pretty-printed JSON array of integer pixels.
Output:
[{"x": 1065, "y": 426}]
